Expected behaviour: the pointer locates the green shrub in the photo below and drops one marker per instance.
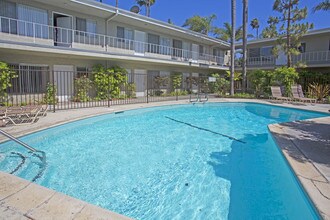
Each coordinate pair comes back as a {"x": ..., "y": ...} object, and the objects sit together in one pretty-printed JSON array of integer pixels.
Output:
[
  {"x": 327, "y": 99},
  {"x": 82, "y": 85},
  {"x": 131, "y": 90},
  {"x": 176, "y": 80},
  {"x": 179, "y": 93},
  {"x": 261, "y": 81},
  {"x": 6, "y": 75},
  {"x": 243, "y": 95},
  {"x": 158, "y": 93},
  {"x": 50, "y": 95},
  {"x": 287, "y": 76},
  {"x": 318, "y": 91},
  {"x": 108, "y": 81},
  {"x": 224, "y": 87}
]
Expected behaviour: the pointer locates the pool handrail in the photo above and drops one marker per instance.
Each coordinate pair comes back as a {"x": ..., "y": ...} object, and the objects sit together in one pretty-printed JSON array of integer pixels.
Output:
[{"x": 17, "y": 141}]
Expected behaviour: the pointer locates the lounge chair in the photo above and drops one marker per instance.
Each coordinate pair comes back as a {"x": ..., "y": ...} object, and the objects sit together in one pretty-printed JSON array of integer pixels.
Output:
[
  {"x": 22, "y": 115},
  {"x": 297, "y": 96},
  {"x": 277, "y": 94},
  {"x": 3, "y": 120}
]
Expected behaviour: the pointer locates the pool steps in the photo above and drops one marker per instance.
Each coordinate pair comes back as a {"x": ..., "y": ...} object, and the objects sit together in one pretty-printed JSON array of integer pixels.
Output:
[
  {"x": 32, "y": 151},
  {"x": 200, "y": 97}
]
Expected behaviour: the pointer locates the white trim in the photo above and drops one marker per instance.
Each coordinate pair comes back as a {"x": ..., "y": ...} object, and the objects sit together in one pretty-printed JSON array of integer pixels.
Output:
[
  {"x": 59, "y": 13},
  {"x": 151, "y": 21},
  {"x": 35, "y": 65}
]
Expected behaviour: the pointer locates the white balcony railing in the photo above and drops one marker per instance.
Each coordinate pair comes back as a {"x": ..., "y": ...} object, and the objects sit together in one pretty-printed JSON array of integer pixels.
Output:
[
  {"x": 261, "y": 61},
  {"x": 29, "y": 32},
  {"x": 312, "y": 57}
]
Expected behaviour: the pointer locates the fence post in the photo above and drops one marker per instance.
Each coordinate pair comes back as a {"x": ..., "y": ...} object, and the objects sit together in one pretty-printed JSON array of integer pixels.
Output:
[
  {"x": 34, "y": 32},
  {"x": 147, "y": 89},
  {"x": 108, "y": 90},
  {"x": 54, "y": 95}
]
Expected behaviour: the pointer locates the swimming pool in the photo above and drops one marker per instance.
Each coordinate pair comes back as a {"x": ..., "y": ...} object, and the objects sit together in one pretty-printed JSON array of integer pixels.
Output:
[{"x": 211, "y": 161}]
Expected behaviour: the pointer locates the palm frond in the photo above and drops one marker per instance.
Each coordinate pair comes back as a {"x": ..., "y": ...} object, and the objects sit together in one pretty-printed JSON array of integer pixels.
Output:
[{"x": 325, "y": 6}]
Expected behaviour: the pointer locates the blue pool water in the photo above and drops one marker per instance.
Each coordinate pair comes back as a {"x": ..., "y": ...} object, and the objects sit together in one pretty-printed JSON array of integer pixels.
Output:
[{"x": 212, "y": 161}]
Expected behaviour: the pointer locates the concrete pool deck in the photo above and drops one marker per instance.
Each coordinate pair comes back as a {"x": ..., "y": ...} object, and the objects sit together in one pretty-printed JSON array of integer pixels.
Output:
[
  {"x": 21, "y": 199},
  {"x": 306, "y": 147}
]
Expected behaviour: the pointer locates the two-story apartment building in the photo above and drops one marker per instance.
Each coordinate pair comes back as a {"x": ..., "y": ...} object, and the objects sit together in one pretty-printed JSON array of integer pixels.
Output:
[
  {"x": 43, "y": 36},
  {"x": 54, "y": 41},
  {"x": 314, "y": 52}
]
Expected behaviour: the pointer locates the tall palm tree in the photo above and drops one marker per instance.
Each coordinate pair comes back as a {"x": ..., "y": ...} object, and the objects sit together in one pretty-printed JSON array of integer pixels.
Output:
[
  {"x": 255, "y": 25},
  {"x": 147, "y": 4},
  {"x": 225, "y": 33},
  {"x": 245, "y": 20},
  {"x": 116, "y": 3},
  {"x": 200, "y": 24},
  {"x": 232, "y": 46},
  {"x": 325, "y": 6}
]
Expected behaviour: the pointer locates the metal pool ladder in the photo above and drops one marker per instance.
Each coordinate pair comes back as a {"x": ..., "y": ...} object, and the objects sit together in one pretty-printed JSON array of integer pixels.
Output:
[
  {"x": 33, "y": 152},
  {"x": 200, "y": 97},
  {"x": 17, "y": 141}
]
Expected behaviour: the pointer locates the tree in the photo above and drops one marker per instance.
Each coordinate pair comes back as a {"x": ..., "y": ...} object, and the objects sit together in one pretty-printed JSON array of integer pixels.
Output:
[
  {"x": 147, "y": 4},
  {"x": 200, "y": 24},
  {"x": 226, "y": 32},
  {"x": 290, "y": 30},
  {"x": 232, "y": 46},
  {"x": 325, "y": 6},
  {"x": 245, "y": 20},
  {"x": 116, "y": 3},
  {"x": 255, "y": 25},
  {"x": 271, "y": 30},
  {"x": 6, "y": 76}
]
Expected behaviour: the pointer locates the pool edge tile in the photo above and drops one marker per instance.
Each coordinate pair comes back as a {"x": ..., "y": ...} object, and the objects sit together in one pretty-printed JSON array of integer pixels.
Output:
[
  {"x": 18, "y": 204},
  {"x": 307, "y": 173}
]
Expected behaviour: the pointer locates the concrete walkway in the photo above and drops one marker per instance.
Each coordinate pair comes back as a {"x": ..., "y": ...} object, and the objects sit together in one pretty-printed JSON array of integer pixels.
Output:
[
  {"x": 21, "y": 199},
  {"x": 306, "y": 146},
  {"x": 65, "y": 116}
]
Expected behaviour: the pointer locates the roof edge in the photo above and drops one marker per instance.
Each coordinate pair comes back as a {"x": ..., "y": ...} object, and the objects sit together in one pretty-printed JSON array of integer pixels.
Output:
[{"x": 122, "y": 12}]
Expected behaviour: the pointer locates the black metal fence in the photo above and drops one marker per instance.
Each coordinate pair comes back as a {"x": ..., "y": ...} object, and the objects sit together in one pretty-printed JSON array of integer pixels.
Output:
[{"x": 82, "y": 89}]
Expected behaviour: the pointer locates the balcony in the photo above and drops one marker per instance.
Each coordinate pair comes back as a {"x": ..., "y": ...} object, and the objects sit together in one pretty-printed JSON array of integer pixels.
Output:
[
  {"x": 262, "y": 61},
  {"x": 28, "y": 32},
  {"x": 313, "y": 58}
]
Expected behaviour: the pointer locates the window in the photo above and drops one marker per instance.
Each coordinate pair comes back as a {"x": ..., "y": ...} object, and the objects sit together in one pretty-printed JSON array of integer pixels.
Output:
[
  {"x": 201, "y": 50},
  {"x": 35, "y": 21},
  {"x": 254, "y": 52},
  {"x": 125, "y": 37},
  {"x": 177, "y": 48},
  {"x": 266, "y": 51},
  {"x": 85, "y": 25},
  {"x": 153, "y": 45},
  {"x": 152, "y": 75},
  {"x": 302, "y": 48},
  {"x": 31, "y": 79},
  {"x": 82, "y": 71},
  {"x": 165, "y": 46},
  {"x": 130, "y": 76},
  {"x": 7, "y": 11},
  {"x": 125, "y": 33},
  {"x": 24, "y": 20},
  {"x": 120, "y": 32}
]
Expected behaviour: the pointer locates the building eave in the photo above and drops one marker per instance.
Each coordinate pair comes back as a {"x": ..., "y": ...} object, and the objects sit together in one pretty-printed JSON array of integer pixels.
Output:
[{"x": 148, "y": 20}]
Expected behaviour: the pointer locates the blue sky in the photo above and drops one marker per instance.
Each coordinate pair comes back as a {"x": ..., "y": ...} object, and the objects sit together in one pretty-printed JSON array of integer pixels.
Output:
[{"x": 179, "y": 10}]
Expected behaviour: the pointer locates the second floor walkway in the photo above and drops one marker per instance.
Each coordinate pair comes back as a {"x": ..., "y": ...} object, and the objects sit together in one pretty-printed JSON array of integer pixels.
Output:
[{"x": 19, "y": 31}]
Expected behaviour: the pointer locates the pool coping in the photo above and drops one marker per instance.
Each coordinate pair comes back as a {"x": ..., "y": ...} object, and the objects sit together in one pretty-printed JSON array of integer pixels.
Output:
[
  {"x": 6, "y": 180},
  {"x": 298, "y": 148},
  {"x": 22, "y": 199}
]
